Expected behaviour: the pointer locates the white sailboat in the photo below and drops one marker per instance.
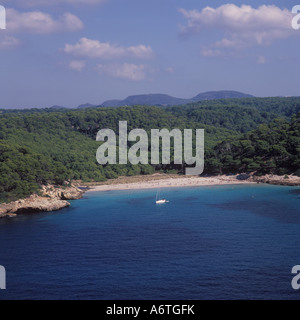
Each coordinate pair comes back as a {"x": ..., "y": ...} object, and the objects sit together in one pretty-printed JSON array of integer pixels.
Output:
[{"x": 158, "y": 200}]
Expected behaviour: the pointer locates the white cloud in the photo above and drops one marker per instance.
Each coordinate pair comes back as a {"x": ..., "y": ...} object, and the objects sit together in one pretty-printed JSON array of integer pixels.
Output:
[
  {"x": 124, "y": 71},
  {"x": 77, "y": 65},
  {"x": 95, "y": 49},
  {"x": 207, "y": 52},
  {"x": 37, "y": 22},
  {"x": 8, "y": 42},
  {"x": 241, "y": 26}
]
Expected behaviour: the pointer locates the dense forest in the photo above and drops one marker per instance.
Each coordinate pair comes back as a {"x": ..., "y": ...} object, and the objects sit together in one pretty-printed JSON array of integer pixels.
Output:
[
  {"x": 271, "y": 148},
  {"x": 41, "y": 146}
]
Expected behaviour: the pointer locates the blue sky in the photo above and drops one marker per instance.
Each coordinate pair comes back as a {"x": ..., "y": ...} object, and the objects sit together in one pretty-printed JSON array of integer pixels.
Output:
[{"x": 69, "y": 52}]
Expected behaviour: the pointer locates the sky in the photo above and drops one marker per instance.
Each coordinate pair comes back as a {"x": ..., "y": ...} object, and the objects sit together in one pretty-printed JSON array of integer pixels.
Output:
[{"x": 71, "y": 52}]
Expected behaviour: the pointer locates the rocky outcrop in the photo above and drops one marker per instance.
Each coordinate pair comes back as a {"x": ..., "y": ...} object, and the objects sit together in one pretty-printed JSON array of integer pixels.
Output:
[
  {"x": 69, "y": 193},
  {"x": 278, "y": 180},
  {"x": 51, "y": 198}
]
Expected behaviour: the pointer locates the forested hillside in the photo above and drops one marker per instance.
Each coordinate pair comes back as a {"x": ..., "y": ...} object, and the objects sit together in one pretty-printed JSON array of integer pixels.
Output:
[
  {"x": 22, "y": 171},
  {"x": 61, "y": 146},
  {"x": 241, "y": 115},
  {"x": 271, "y": 148},
  {"x": 40, "y": 146}
]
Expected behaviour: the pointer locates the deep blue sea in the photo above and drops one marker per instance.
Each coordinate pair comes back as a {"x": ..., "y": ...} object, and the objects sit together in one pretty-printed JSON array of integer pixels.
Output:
[{"x": 225, "y": 242}]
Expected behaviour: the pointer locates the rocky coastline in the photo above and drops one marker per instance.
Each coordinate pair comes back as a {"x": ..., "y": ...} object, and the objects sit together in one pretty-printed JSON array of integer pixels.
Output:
[
  {"x": 54, "y": 198},
  {"x": 50, "y": 198},
  {"x": 288, "y": 180}
]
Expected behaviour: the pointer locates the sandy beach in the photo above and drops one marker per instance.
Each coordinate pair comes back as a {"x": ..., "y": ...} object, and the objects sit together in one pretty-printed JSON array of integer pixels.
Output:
[{"x": 166, "y": 181}]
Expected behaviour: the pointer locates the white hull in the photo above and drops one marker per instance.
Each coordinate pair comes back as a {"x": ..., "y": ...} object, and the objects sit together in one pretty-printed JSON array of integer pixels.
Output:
[{"x": 161, "y": 201}]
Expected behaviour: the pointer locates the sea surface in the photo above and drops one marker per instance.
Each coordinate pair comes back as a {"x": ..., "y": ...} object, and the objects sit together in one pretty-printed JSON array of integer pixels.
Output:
[{"x": 224, "y": 242}]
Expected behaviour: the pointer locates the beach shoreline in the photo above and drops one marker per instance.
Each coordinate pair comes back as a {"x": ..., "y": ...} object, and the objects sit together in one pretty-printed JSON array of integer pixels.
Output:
[
  {"x": 54, "y": 198},
  {"x": 174, "y": 181},
  {"x": 169, "y": 182}
]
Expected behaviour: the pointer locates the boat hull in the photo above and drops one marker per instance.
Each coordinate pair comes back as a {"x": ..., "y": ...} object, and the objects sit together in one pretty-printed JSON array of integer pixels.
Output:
[{"x": 161, "y": 201}]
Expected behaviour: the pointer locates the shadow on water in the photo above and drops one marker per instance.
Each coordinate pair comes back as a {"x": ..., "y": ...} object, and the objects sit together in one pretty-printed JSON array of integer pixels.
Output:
[
  {"x": 266, "y": 209},
  {"x": 295, "y": 191}
]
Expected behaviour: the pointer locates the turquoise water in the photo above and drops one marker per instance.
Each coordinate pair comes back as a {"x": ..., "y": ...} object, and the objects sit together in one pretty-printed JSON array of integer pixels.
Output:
[{"x": 226, "y": 242}]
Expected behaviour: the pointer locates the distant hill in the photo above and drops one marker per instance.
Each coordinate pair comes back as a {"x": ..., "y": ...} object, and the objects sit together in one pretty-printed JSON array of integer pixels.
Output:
[
  {"x": 111, "y": 103},
  {"x": 214, "y": 95},
  {"x": 166, "y": 100},
  {"x": 86, "y": 105},
  {"x": 146, "y": 99},
  {"x": 57, "y": 107}
]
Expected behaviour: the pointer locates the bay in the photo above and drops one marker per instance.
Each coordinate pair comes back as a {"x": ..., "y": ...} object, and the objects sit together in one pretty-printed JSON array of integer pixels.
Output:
[{"x": 224, "y": 242}]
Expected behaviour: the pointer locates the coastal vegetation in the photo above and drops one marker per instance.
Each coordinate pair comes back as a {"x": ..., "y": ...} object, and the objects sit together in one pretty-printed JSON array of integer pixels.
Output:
[{"x": 41, "y": 146}]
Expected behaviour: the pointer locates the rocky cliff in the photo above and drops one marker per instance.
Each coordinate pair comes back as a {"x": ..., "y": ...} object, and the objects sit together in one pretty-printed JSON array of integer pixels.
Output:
[{"x": 51, "y": 198}]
